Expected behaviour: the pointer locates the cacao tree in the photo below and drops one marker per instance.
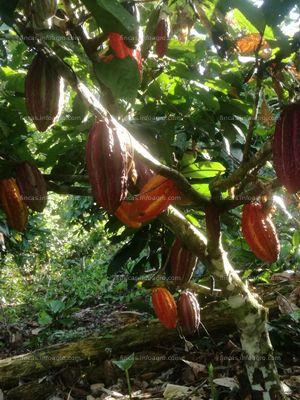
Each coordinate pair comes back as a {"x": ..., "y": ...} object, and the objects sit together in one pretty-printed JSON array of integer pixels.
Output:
[{"x": 171, "y": 117}]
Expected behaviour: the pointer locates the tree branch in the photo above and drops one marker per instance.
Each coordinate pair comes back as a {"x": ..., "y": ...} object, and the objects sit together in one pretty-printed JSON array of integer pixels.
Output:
[{"x": 221, "y": 185}]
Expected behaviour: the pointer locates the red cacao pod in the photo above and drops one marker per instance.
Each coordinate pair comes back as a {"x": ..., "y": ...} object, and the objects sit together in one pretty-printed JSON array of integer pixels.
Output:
[
  {"x": 162, "y": 37},
  {"x": 32, "y": 186},
  {"x": 260, "y": 232},
  {"x": 286, "y": 148},
  {"x": 12, "y": 204},
  {"x": 109, "y": 159},
  {"x": 43, "y": 92},
  {"x": 165, "y": 307},
  {"x": 188, "y": 312},
  {"x": 182, "y": 261},
  {"x": 144, "y": 173},
  {"x": 116, "y": 42}
]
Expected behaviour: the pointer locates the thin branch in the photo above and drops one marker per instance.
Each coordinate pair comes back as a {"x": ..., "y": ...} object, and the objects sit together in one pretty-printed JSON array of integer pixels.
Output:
[
  {"x": 253, "y": 119},
  {"x": 221, "y": 185},
  {"x": 65, "y": 189}
]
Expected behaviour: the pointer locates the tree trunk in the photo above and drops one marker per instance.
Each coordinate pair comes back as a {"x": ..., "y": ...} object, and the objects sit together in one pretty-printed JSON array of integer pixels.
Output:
[{"x": 249, "y": 314}]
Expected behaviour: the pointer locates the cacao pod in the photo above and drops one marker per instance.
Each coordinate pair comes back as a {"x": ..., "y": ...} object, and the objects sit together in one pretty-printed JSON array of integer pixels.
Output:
[
  {"x": 43, "y": 93},
  {"x": 144, "y": 173},
  {"x": 116, "y": 42},
  {"x": 260, "y": 232},
  {"x": 155, "y": 196},
  {"x": 188, "y": 312},
  {"x": 286, "y": 148},
  {"x": 44, "y": 9},
  {"x": 12, "y": 204},
  {"x": 109, "y": 159},
  {"x": 165, "y": 307},
  {"x": 182, "y": 261},
  {"x": 162, "y": 37},
  {"x": 126, "y": 214},
  {"x": 32, "y": 186}
]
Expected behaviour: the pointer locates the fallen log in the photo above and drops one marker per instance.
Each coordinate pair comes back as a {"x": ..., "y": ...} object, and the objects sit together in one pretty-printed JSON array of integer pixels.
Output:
[{"x": 141, "y": 336}]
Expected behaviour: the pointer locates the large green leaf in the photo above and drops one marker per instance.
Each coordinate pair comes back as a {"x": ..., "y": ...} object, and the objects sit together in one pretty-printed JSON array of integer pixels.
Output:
[
  {"x": 111, "y": 16},
  {"x": 204, "y": 169},
  {"x": 120, "y": 76},
  {"x": 252, "y": 13}
]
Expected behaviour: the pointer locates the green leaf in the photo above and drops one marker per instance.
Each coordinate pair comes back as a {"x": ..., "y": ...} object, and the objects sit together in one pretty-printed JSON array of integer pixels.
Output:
[
  {"x": 243, "y": 21},
  {"x": 204, "y": 169},
  {"x": 121, "y": 76},
  {"x": 126, "y": 363},
  {"x": 56, "y": 306},
  {"x": 203, "y": 189},
  {"x": 111, "y": 16},
  {"x": 296, "y": 238},
  {"x": 44, "y": 318},
  {"x": 131, "y": 250}
]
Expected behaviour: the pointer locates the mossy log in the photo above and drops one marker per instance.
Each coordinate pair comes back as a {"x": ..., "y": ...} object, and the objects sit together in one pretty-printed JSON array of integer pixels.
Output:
[{"x": 141, "y": 336}]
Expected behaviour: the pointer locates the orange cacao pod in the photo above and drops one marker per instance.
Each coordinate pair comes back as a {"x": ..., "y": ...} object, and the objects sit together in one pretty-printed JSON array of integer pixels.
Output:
[
  {"x": 32, "y": 185},
  {"x": 165, "y": 307},
  {"x": 182, "y": 261},
  {"x": 286, "y": 148},
  {"x": 155, "y": 196},
  {"x": 188, "y": 312},
  {"x": 109, "y": 159},
  {"x": 43, "y": 92},
  {"x": 12, "y": 204},
  {"x": 260, "y": 232},
  {"x": 127, "y": 214},
  {"x": 162, "y": 37}
]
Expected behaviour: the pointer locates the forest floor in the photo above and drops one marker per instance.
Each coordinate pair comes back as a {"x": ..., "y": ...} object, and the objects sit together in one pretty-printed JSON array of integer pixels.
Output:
[{"x": 204, "y": 368}]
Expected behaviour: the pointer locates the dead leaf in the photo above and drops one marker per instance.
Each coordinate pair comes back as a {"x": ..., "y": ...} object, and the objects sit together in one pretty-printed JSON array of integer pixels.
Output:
[
  {"x": 230, "y": 383},
  {"x": 247, "y": 45},
  {"x": 175, "y": 391},
  {"x": 196, "y": 367},
  {"x": 266, "y": 116},
  {"x": 285, "y": 307}
]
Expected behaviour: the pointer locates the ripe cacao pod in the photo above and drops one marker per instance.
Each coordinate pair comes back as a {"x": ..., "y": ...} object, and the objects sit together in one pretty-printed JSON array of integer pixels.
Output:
[
  {"x": 127, "y": 214},
  {"x": 32, "y": 185},
  {"x": 188, "y": 312},
  {"x": 286, "y": 148},
  {"x": 162, "y": 37},
  {"x": 43, "y": 92},
  {"x": 260, "y": 232},
  {"x": 165, "y": 307},
  {"x": 182, "y": 261},
  {"x": 109, "y": 159},
  {"x": 12, "y": 204},
  {"x": 44, "y": 9},
  {"x": 116, "y": 42},
  {"x": 155, "y": 196}
]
